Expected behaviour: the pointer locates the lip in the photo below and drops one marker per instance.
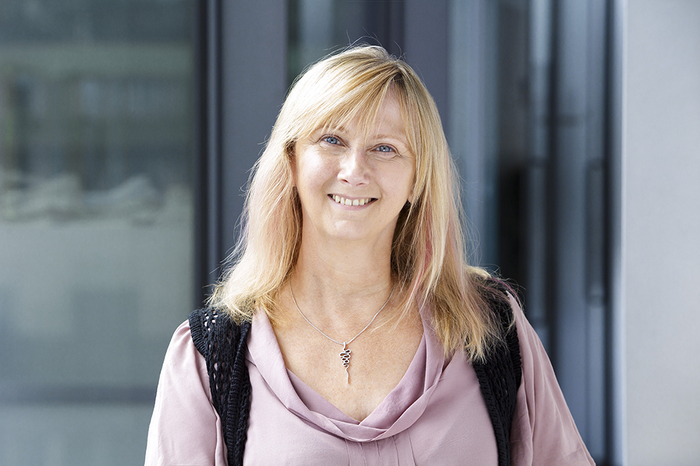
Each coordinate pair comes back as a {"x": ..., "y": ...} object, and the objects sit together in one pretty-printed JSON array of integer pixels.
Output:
[{"x": 349, "y": 201}]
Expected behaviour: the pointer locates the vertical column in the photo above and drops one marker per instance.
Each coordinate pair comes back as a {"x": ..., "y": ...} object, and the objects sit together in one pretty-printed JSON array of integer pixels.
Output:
[
  {"x": 253, "y": 86},
  {"x": 579, "y": 301},
  {"x": 472, "y": 71}
]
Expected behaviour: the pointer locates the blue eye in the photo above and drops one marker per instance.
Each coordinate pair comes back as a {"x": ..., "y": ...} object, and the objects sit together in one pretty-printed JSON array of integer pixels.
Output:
[
  {"x": 385, "y": 148},
  {"x": 331, "y": 140}
]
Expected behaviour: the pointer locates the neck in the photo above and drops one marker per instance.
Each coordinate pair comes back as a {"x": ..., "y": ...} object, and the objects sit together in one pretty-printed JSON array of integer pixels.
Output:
[{"x": 341, "y": 287}]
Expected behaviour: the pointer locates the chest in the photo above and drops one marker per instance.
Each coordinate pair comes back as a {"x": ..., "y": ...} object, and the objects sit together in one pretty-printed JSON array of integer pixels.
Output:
[
  {"x": 446, "y": 424},
  {"x": 356, "y": 377}
]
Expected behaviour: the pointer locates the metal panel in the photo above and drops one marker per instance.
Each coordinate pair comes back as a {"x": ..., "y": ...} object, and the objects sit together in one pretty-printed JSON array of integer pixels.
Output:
[
  {"x": 253, "y": 86},
  {"x": 616, "y": 412},
  {"x": 578, "y": 170},
  {"x": 426, "y": 52},
  {"x": 471, "y": 117}
]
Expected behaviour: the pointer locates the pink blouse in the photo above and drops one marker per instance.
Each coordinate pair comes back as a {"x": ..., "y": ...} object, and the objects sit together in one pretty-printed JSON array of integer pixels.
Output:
[{"x": 435, "y": 415}]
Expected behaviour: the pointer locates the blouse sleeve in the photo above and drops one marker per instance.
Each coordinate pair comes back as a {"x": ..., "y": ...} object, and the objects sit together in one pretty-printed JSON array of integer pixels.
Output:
[
  {"x": 185, "y": 428},
  {"x": 543, "y": 432}
]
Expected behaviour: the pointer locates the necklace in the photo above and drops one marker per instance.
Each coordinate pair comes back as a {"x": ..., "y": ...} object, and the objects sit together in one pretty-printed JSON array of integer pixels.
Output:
[{"x": 347, "y": 352}]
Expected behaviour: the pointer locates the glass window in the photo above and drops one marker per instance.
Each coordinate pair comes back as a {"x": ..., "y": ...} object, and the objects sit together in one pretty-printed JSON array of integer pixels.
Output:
[
  {"x": 96, "y": 221},
  {"x": 318, "y": 27}
]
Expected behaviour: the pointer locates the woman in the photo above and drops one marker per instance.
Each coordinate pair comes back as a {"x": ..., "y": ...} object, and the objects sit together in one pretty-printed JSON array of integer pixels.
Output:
[{"x": 348, "y": 328}]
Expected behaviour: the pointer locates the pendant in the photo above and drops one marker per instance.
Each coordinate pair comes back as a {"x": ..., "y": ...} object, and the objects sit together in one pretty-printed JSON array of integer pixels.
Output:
[{"x": 345, "y": 358}]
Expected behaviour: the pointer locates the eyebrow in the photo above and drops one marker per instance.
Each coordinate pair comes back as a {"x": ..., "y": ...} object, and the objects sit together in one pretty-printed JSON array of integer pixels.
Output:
[
  {"x": 325, "y": 128},
  {"x": 386, "y": 136},
  {"x": 402, "y": 140}
]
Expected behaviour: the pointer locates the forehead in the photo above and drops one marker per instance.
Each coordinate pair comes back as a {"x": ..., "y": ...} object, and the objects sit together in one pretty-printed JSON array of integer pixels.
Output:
[{"x": 385, "y": 117}]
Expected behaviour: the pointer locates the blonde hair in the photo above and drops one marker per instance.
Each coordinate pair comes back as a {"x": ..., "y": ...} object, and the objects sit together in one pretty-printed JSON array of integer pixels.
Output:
[{"x": 428, "y": 256}]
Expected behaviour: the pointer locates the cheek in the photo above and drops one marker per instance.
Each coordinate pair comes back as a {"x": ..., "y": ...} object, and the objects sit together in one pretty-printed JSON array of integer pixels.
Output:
[
  {"x": 403, "y": 180},
  {"x": 312, "y": 175}
]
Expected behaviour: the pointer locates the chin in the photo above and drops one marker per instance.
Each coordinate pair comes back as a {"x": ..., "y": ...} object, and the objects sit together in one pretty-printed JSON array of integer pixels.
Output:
[
  {"x": 348, "y": 235},
  {"x": 345, "y": 232}
]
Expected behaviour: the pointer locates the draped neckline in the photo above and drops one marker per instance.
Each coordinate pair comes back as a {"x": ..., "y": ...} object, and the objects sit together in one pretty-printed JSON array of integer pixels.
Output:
[{"x": 401, "y": 408}]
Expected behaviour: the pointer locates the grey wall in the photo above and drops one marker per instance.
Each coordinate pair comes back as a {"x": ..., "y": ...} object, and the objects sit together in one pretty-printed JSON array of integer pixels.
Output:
[{"x": 661, "y": 231}]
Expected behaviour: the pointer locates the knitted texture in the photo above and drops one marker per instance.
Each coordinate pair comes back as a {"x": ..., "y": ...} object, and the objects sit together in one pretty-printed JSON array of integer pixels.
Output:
[
  {"x": 224, "y": 347},
  {"x": 500, "y": 375}
]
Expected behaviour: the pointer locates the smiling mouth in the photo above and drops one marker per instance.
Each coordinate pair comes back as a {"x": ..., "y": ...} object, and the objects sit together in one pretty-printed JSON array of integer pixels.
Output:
[{"x": 351, "y": 202}]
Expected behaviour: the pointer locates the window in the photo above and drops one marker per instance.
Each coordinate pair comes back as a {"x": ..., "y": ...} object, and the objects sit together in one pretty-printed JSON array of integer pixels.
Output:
[{"x": 96, "y": 221}]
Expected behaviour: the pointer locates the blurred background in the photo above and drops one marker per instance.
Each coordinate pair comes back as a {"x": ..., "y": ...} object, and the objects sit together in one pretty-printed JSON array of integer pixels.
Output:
[{"x": 128, "y": 129}]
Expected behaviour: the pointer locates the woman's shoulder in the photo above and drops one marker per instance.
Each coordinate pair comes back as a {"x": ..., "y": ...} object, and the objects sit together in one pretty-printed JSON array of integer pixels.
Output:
[
  {"x": 500, "y": 297},
  {"x": 212, "y": 327},
  {"x": 182, "y": 359},
  {"x": 183, "y": 418}
]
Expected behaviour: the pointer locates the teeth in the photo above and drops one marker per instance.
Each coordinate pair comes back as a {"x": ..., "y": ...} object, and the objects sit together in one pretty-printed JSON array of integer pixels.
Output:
[{"x": 350, "y": 202}]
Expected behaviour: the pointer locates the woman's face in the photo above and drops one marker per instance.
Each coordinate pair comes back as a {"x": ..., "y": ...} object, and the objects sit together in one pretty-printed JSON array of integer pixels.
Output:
[{"x": 353, "y": 182}]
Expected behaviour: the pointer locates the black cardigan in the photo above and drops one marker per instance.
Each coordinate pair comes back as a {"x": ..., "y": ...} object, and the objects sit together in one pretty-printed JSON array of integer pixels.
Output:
[{"x": 224, "y": 347}]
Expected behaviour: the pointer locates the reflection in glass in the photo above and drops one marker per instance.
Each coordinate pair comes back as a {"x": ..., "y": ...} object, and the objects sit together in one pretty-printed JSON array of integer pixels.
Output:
[
  {"x": 96, "y": 222},
  {"x": 317, "y": 28}
]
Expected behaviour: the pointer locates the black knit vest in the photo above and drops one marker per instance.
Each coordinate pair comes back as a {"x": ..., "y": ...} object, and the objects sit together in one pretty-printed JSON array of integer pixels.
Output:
[{"x": 224, "y": 347}]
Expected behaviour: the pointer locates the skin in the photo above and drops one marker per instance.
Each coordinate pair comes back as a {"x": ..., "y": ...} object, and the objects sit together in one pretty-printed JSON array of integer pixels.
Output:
[{"x": 343, "y": 276}]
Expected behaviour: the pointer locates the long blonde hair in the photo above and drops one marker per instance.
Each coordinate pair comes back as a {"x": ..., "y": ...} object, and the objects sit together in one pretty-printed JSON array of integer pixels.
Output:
[{"x": 428, "y": 256}]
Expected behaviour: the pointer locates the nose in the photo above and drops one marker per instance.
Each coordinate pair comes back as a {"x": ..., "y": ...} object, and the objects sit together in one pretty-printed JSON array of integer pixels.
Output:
[{"x": 353, "y": 168}]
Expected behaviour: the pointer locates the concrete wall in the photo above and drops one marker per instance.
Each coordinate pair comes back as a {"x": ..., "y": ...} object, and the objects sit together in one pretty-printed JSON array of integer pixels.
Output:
[{"x": 661, "y": 231}]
